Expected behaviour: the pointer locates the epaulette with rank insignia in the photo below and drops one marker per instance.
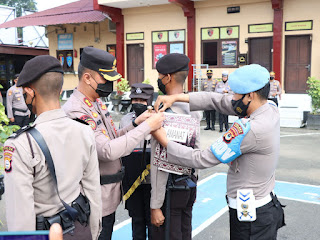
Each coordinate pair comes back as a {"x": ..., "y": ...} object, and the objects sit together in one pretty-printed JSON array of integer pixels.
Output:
[{"x": 21, "y": 130}]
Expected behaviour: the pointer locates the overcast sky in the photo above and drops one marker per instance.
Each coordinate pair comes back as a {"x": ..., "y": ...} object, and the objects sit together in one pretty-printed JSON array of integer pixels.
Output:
[{"x": 46, "y": 4}]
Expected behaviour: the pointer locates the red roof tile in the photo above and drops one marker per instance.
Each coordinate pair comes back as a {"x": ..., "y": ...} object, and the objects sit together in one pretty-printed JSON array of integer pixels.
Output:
[{"x": 76, "y": 12}]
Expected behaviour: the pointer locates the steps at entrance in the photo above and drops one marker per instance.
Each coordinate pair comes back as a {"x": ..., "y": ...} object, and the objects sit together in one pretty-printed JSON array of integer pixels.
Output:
[{"x": 292, "y": 108}]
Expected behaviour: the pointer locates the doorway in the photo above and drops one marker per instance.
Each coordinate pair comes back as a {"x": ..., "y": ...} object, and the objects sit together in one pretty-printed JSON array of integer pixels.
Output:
[
  {"x": 297, "y": 63},
  {"x": 260, "y": 52},
  {"x": 135, "y": 63}
]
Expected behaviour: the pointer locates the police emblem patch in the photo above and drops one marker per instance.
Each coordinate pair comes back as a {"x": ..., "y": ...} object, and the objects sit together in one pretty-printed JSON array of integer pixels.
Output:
[
  {"x": 138, "y": 90},
  {"x": 87, "y": 102},
  {"x": 94, "y": 114},
  {"x": 8, "y": 148},
  {"x": 234, "y": 131},
  {"x": 89, "y": 120},
  {"x": 10, "y": 93}
]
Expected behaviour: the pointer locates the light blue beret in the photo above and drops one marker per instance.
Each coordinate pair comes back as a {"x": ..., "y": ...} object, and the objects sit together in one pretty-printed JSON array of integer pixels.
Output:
[{"x": 248, "y": 79}]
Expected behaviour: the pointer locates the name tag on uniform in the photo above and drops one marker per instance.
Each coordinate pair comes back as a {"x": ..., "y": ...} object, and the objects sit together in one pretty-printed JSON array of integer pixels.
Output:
[
  {"x": 246, "y": 209},
  {"x": 176, "y": 134}
]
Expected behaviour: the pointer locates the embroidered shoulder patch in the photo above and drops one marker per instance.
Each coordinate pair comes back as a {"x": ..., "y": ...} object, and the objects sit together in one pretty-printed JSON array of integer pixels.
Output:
[
  {"x": 227, "y": 147},
  {"x": 8, "y": 150},
  {"x": 89, "y": 120},
  {"x": 87, "y": 102}
]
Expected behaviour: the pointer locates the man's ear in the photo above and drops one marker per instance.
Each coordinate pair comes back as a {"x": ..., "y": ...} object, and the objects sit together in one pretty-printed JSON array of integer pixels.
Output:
[
  {"x": 169, "y": 78},
  {"x": 29, "y": 91},
  {"x": 86, "y": 78}
]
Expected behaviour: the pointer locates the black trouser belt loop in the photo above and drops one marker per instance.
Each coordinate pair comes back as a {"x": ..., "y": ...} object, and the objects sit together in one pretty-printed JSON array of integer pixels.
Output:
[{"x": 114, "y": 178}]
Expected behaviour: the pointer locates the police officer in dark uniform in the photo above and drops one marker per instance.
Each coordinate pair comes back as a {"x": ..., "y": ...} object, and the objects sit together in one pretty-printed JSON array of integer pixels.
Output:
[
  {"x": 209, "y": 85},
  {"x": 136, "y": 182}
]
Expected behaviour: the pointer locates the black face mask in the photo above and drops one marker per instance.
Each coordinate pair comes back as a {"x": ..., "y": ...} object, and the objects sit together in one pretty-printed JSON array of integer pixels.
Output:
[
  {"x": 139, "y": 108},
  {"x": 103, "y": 89},
  {"x": 29, "y": 106},
  {"x": 271, "y": 78},
  {"x": 209, "y": 77},
  {"x": 239, "y": 107},
  {"x": 161, "y": 86}
]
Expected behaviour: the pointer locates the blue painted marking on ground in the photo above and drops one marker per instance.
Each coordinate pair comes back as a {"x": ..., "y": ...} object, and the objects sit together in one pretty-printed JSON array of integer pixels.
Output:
[
  {"x": 211, "y": 199},
  {"x": 298, "y": 192}
]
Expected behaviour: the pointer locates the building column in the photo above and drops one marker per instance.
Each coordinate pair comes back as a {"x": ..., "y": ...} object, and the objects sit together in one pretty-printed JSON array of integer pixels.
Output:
[
  {"x": 189, "y": 12},
  {"x": 277, "y": 6},
  {"x": 116, "y": 16}
]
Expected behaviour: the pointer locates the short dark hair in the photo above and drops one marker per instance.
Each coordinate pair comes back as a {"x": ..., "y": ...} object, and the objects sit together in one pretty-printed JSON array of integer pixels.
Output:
[
  {"x": 181, "y": 76},
  {"x": 263, "y": 93},
  {"x": 81, "y": 70},
  {"x": 16, "y": 76},
  {"x": 49, "y": 85}
]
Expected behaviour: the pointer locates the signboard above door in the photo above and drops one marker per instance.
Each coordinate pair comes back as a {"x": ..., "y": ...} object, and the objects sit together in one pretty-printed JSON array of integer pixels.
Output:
[
  {"x": 300, "y": 25},
  {"x": 135, "y": 36},
  {"x": 260, "y": 28}
]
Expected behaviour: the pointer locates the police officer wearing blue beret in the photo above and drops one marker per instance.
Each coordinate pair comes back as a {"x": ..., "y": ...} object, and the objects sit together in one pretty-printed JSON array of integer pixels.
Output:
[{"x": 250, "y": 148}]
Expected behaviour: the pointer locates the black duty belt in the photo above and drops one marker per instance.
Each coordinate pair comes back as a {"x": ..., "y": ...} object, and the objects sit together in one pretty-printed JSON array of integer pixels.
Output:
[
  {"x": 19, "y": 110},
  {"x": 114, "y": 178}
]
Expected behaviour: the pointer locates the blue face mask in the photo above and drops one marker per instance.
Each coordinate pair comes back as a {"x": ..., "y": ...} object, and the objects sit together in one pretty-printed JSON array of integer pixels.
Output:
[{"x": 239, "y": 107}]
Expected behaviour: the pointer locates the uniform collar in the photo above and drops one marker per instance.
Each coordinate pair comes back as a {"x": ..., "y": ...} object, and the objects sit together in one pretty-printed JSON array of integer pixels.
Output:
[
  {"x": 50, "y": 115},
  {"x": 260, "y": 110}
]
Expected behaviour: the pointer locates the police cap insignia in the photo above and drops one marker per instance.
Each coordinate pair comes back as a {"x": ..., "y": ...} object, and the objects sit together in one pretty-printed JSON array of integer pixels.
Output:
[{"x": 142, "y": 91}]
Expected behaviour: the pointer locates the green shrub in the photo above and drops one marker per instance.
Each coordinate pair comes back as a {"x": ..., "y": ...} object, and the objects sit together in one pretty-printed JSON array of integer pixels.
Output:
[{"x": 314, "y": 92}]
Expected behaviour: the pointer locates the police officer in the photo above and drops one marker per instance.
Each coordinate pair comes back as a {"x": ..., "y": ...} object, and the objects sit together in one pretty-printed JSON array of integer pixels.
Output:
[
  {"x": 172, "y": 71},
  {"x": 223, "y": 88},
  {"x": 96, "y": 72},
  {"x": 275, "y": 89},
  {"x": 17, "y": 110},
  {"x": 137, "y": 164},
  {"x": 209, "y": 85},
  {"x": 31, "y": 198},
  {"x": 251, "y": 145}
]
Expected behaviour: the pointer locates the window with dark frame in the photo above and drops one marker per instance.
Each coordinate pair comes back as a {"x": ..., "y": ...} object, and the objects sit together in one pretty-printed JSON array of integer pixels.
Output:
[
  {"x": 219, "y": 50},
  {"x": 66, "y": 59},
  {"x": 170, "y": 41}
]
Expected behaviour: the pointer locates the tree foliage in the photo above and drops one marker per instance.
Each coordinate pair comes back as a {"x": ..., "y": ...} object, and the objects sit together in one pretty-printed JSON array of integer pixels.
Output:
[{"x": 20, "y": 4}]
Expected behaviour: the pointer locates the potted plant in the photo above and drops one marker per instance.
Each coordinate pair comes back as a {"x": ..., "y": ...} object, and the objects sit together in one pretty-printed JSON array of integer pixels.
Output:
[
  {"x": 122, "y": 87},
  {"x": 313, "y": 91}
]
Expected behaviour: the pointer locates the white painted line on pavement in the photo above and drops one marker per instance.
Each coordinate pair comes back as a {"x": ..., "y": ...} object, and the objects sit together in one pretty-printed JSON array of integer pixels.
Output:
[
  {"x": 209, "y": 221},
  {"x": 297, "y": 135},
  {"x": 298, "y": 200},
  {"x": 301, "y": 184},
  {"x": 122, "y": 224}
]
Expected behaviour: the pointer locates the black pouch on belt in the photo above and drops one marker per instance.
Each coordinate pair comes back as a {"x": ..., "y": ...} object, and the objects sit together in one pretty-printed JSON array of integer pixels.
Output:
[
  {"x": 66, "y": 222},
  {"x": 82, "y": 205}
]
